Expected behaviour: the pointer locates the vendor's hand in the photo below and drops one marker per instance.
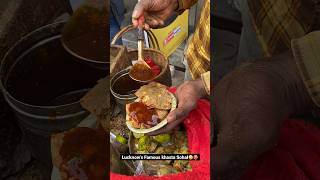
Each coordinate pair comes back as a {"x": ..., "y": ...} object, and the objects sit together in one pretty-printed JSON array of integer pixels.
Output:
[
  {"x": 250, "y": 105},
  {"x": 187, "y": 95},
  {"x": 153, "y": 13}
]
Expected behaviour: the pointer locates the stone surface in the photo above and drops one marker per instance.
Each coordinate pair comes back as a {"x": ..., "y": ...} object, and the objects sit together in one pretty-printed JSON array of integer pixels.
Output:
[{"x": 177, "y": 78}]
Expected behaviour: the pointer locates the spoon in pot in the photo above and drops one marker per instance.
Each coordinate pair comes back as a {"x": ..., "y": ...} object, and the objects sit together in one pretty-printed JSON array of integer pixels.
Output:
[{"x": 141, "y": 71}]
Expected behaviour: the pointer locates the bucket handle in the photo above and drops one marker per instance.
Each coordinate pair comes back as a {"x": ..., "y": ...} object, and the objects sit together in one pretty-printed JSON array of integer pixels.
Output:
[{"x": 154, "y": 42}]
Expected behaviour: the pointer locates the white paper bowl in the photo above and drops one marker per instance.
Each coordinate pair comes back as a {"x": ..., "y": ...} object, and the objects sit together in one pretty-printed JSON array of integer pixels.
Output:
[{"x": 158, "y": 126}]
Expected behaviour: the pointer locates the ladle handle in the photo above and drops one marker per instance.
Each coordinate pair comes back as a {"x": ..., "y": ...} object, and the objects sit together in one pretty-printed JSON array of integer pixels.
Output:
[
  {"x": 140, "y": 50},
  {"x": 140, "y": 34},
  {"x": 140, "y": 44},
  {"x": 154, "y": 42}
]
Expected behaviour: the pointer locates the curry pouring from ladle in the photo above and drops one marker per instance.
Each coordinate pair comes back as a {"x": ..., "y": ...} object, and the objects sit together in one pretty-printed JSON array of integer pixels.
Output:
[{"x": 141, "y": 71}]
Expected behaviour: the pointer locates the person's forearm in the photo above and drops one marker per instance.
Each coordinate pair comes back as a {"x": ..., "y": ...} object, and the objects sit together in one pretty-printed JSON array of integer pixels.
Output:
[
  {"x": 200, "y": 86},
  {"x": 249, "y": 111},
  {"x": 292, "y": 86},
  {"x": 251, "y": 104},
  {"x": 223, "y": 166},
  {"x": 186, "y": 4}
]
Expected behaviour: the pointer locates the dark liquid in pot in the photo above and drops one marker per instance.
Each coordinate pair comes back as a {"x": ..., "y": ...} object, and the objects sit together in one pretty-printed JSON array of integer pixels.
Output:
[
  {"x": 124, "y": 85},
  {"x": 86, "y": 33},
  {"x": 47, "y": 72}
]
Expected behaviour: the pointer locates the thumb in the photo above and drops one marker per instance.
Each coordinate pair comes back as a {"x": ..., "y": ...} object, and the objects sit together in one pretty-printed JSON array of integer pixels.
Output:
[
  {"x": 184, "y": 107},
  {"x": 177, "y": 114},
  {"x": 140, "y": 7},
  {"x": 137, "y": 14},
  {"x": 174, "y": 119}
]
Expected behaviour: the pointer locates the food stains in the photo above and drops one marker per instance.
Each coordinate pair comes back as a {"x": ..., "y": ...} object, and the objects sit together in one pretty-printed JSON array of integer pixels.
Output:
[
  {"x": 85, "y": 152},
  {"x": 140, "y": 113}
]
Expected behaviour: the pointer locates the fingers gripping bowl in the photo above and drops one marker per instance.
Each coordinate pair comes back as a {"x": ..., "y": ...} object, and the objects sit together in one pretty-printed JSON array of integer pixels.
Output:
[{"x": 149, "y": 112}]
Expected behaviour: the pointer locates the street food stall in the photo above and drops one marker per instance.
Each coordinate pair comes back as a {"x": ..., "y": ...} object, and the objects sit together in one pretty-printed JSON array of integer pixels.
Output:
[
  {"x": 71, "y": 100},
  {"x": 141, "y": 106}
]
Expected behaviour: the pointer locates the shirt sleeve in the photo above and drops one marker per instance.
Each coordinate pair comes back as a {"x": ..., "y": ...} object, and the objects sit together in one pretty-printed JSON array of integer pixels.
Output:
[
  {"x": 197, "y": 53},
  {"x": 306, "y": 53},
  {"x": 206, "y": 81}
]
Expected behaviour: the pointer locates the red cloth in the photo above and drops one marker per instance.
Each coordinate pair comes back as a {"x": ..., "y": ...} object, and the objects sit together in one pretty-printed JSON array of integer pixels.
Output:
[
  {"x": 197, "y": 125},
  {"x": 296, "y": 157}
]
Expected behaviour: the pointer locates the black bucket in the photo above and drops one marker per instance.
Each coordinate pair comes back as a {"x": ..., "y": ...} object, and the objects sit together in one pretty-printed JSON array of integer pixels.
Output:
[{"x": 43, "y": 85}]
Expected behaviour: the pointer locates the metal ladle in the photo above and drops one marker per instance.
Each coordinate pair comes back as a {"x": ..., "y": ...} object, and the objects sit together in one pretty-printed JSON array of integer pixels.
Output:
[{"x": 140, "y": 65}]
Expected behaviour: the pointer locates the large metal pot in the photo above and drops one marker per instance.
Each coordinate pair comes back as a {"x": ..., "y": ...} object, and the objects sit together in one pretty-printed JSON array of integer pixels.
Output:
[
  {"x": 43, "y": 85},
  {"x": 120, "y": 82}
]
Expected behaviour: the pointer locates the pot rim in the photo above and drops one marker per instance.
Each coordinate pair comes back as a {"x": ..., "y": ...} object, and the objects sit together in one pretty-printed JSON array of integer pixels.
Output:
[
  {"x": 11, "y": 50},
  {"x": 113, "y": 81}
]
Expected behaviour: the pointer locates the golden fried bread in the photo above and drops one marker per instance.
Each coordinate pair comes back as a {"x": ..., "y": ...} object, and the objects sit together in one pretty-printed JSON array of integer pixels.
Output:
[{"x": 155, "y": 95}]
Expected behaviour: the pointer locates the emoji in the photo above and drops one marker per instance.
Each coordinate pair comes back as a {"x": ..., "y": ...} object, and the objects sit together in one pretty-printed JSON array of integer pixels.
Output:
[{"x": 195, "y": 157}]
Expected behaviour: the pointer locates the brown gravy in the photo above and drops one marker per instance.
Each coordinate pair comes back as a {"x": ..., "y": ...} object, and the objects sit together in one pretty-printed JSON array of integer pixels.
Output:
[
  {"x": 142, "y": 113},
  {"x": 90, "y": 147},
  {"x": 141, "y": 72},
  {"x": 86, "y": 33}
]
